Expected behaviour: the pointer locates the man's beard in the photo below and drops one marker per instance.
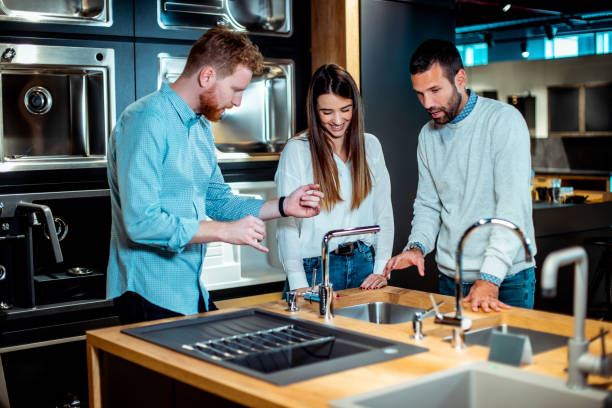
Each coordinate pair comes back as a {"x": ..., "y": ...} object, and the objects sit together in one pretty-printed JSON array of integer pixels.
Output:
[
  {"x": 209, "y": 106},
  {"x": 450, "y": 111}
]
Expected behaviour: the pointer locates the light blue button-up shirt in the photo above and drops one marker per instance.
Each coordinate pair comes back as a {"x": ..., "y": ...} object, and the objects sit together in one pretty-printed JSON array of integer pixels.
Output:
[{"x": 164, "y": 179}]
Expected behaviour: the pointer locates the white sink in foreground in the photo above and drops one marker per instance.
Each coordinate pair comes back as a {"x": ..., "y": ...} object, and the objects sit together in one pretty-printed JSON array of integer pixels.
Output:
[{"x": 480, "y": 385}]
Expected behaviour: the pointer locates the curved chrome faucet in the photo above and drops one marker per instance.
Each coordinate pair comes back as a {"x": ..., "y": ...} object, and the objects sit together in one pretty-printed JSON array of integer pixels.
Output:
[
  {"x": 459, "y": 254},
  {"x": 459, "y": 320},
  {"x": 326, "y": 293},
  {"x": 580, "y": 362}
]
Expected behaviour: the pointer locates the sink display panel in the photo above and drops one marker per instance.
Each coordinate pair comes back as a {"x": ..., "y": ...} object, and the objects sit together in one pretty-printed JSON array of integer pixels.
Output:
[
  {"x": 275, "y": 348},
  {"x": 540, "y": 341}
]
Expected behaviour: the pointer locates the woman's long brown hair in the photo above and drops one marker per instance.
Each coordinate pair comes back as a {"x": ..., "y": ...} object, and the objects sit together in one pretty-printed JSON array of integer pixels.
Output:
[{"x": 333, "y": 79}]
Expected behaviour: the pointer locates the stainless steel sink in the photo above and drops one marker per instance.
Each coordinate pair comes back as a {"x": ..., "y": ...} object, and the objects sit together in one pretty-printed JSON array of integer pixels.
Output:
[
  {"x": 480, "y": 385},
  {"x": 266, "y": 118},
  {"x": 540, "y": 341},
  {"x": 91, "y": 12},
  {"x": 272, "y": 347},
  {"x": 379, "y": 312}
]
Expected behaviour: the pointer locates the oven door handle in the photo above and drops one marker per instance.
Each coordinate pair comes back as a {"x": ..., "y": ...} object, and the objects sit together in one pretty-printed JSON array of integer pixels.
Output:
[{"x": 45, "y": 343}]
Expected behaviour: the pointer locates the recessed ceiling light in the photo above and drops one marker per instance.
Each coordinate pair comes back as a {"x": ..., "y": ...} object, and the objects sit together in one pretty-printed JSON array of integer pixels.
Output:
[
  {"x": 506, "y": 7},
  {"x": 524, "y": 52}
]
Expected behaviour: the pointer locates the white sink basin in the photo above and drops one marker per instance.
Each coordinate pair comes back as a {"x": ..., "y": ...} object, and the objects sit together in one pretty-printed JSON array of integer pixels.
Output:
[{"x": 480, "y": 385}]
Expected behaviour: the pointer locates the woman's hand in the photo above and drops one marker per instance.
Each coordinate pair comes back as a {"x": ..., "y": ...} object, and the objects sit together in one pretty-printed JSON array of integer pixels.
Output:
[{"x": 374, "y": 281}]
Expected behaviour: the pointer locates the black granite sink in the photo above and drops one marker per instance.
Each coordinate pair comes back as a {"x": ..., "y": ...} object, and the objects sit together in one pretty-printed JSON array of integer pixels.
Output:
[{"x": 272, "y": 347}]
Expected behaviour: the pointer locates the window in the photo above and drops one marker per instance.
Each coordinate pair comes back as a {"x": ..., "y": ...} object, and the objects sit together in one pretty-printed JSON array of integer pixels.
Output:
[
  {"x": 602, "y": 42},
  {"x": 575, "y": 45},
  {"x": 562, "y": 47},
  {"x": 474, "y": 54}
]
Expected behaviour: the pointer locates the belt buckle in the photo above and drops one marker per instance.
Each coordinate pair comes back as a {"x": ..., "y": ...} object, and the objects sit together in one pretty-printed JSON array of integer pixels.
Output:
[{"x": 345, "y": 249}]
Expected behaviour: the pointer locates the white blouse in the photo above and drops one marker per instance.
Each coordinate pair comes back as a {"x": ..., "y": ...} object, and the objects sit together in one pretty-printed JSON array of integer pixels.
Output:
[{"x": 300, "y": 238}]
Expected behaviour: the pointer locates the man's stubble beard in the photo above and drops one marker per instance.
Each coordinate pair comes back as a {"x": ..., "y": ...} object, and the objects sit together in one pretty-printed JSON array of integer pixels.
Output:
[
  {"x": 209, "y": 106},
  {"x": 451, "y": 111}
]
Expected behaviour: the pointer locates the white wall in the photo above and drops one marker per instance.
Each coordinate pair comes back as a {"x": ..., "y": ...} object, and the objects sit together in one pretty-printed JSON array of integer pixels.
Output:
[{"x": 521, "y": 77}]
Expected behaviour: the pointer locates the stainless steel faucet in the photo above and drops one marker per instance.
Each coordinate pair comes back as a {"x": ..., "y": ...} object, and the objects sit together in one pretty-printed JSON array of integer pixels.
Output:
[
  {"x": 326, "y": 294},
  {"x": 580, "y": 362},
  {"x": 464, "y": 323},
  {"x": 417, "y": 318},
  {"x": 49, "y": 223}
]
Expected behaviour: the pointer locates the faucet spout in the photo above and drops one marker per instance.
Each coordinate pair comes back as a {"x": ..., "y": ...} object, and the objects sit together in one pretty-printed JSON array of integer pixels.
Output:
[
  {"x": 578, "y": 345},
  {"x": 50, "y": 223},
  {"x": 459, "y": 254},
  {"x": 325, "y": 289}
]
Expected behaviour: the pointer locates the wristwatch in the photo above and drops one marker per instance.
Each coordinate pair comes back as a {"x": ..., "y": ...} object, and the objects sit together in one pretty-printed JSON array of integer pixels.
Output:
[{"x": 418, "y": 245}]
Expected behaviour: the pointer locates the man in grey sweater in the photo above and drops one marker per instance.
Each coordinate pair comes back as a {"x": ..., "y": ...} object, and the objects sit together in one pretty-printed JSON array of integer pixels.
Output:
[{"x": 474, "y": 162}]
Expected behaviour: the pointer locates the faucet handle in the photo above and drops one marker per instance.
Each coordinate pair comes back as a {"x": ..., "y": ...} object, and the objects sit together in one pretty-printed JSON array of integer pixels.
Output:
[
  {"x": 602, "y": 336},
  {"x": 314, "y": 279},
  {"x": 417, "y": 319},
  {"x": 434, "y": 307},
  {"x": 417, "y": 326},
  {"x": 292, "y": 301}
]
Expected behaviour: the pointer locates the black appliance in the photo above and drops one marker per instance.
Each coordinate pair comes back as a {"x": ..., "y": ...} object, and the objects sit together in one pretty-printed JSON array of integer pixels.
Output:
[{"x": 53, "y": 253}]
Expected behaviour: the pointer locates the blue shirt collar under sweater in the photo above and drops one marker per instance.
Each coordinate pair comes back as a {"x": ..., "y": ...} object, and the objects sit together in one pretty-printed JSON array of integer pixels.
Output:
[{"x": 469, "y": 106}]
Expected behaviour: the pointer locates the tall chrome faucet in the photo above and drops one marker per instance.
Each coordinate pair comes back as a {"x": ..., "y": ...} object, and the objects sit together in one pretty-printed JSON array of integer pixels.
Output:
[
  {"x": 463, "y": 323},
  {"x": 326, "y": 294},
  {"x": 580, "y": 362}
]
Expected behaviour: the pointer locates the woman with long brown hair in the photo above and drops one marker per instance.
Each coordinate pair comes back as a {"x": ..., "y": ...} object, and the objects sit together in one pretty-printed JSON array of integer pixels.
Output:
[{"x": 349, "y": 166}]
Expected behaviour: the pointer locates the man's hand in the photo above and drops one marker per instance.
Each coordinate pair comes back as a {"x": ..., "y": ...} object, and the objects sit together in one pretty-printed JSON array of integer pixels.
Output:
[
  {"x": 374, "y": 281},
  {"x": 485, "y": 295},
  {"x": 404, "y": 260},
  {"x": 304, "y": 202},
  {"x": 245, "y": 231}
]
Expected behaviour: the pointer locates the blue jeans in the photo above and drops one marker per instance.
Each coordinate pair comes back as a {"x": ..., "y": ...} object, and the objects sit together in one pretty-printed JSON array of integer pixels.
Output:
[
  {"x": 345, "y": 271},
  {"x": 516, "y": 290}
]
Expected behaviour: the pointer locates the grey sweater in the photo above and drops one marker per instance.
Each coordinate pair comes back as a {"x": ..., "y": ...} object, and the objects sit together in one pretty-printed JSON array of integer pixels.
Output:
[{"x": 477, "y": 168}]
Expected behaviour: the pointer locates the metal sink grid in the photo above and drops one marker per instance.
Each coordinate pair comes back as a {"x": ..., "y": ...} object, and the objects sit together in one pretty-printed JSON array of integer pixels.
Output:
[{"x": 272, "y": 347}]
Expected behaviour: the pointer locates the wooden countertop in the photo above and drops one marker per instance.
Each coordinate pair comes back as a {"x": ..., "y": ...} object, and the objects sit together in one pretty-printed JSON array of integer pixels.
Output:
[{"x": 317, "y": 392}]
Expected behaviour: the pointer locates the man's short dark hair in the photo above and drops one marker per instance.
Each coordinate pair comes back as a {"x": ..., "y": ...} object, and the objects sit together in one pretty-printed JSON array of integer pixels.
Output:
[{"x": 436, "y": 51}]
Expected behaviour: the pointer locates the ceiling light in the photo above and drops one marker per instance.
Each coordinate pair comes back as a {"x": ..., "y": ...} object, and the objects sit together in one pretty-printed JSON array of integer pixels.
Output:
[
  {"x": 506, "y": 7},
  {"x": 524, "y": 52}
]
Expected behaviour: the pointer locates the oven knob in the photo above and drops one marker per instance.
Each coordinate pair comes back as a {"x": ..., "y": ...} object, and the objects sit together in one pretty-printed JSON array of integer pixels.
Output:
[
  {"x": 38, "y": 100},
  {"x": 2, "y": 272}
]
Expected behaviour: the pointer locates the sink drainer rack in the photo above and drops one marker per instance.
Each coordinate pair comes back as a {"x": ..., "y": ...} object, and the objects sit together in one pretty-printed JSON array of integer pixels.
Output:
[{"x": 284, "y": 338}]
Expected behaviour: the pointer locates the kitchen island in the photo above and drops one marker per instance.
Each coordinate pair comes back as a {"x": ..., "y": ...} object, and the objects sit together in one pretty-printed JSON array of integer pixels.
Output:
[{"x": 125, "y": 370}]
